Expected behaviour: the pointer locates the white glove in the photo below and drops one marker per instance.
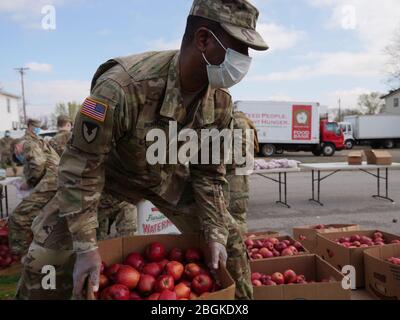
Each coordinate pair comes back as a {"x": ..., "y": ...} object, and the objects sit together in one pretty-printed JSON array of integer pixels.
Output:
[{"x": 218, "y": 254}]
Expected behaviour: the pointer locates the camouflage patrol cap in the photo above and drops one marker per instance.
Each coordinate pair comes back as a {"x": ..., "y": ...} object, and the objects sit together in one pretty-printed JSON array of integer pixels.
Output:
[
  {"x": 34, "y": 122},
  {"x": 63, "y": 119},
  {"x": 237, "y": 17}
]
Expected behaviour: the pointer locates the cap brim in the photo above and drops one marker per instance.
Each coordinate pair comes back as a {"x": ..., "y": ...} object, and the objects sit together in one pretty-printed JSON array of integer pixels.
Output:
[{"x": 248, "y": 36}]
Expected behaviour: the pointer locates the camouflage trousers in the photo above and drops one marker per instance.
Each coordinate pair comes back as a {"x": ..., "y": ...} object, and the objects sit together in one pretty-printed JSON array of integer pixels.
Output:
[
  {"x": 236, "y": 194},
  {"x": 57, "y": 247},
  {"x": 112, "y": 210},
  {"x": 20, "y": 221}
]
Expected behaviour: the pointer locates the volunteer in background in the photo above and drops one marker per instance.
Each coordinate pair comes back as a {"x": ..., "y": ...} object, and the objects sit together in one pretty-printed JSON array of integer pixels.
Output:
[
  {"x": 40, "y": 174},
  {"x": 129, "y": 97},
  {"x": 64, "y": 127},
  {"x": 5, "y": 150},
  {"x": 237, "y": 190}
]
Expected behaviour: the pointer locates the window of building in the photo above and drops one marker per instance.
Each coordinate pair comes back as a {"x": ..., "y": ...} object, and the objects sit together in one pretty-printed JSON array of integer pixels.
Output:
[
  {"x": 8, "y": 105},
  {"x": 396, "y": 102}
]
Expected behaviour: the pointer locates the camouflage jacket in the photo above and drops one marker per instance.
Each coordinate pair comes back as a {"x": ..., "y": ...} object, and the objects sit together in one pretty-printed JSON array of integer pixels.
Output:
[
  {"x": 59, "y": 141},
  {"x": 5, "y": 146},
  {"x": 133, "y": 95},
  {"x": 41, "y": 164}
]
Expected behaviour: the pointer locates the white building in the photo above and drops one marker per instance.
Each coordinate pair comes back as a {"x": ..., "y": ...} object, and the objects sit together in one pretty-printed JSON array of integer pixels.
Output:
[
  {"x": 9, "y": 114},
  {"x": 392, "y": 100}
]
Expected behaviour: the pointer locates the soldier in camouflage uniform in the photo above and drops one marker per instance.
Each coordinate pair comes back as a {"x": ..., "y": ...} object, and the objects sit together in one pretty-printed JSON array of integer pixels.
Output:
[
  {"x": 110, "y": 209},
  {"x": 237, "y": 190},
  {"x": 130, "y": 96},
  {"x": 5, "y": 150},
  {"x": 59, "y": 141},
  {"x": 40, "y": 175}
]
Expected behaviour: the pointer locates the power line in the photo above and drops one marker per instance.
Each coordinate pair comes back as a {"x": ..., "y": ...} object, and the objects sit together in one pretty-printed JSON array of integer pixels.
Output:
[{"x": 21, "y": 71}]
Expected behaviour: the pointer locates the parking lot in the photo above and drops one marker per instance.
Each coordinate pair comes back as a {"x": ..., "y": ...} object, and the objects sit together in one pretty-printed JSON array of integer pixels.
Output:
[{"x": 347, "y": 198}]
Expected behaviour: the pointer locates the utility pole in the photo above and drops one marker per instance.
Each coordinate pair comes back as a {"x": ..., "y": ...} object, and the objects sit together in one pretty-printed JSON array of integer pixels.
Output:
[
  {"x": 21, "y": 71},
  {"x": 340, "y": 110}
]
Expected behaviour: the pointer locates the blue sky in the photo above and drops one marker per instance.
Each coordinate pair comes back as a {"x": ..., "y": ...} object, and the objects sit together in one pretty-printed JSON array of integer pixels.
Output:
[{"x": 321, "y": 50}]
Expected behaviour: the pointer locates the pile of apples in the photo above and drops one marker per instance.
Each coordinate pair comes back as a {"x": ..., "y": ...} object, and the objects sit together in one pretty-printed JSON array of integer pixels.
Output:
[
  {"x": 357, "y": 241},
  {"x": 6, "y": 257},
  {"x": 394, "y": 260},
  {"x": 276, "y": 279},
  {"x": 157, "y": 275},
  {"x": 271, "y": 247}
]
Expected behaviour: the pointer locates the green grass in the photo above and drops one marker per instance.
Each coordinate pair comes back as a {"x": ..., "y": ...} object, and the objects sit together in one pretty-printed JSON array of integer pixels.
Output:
[{"x": 8, "y": 285}]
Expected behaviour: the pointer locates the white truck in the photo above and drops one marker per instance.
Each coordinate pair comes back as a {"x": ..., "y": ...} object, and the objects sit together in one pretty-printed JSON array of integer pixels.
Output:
[
  {"x": 381, "y": 130},
  {"x": 292, "y": 126}
]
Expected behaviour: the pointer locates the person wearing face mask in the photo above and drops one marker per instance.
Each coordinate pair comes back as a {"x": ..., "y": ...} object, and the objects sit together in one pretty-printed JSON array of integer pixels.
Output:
[
  {"x": 130, "y": 96},
  {"x": 40, "y": 167},
  {"x": 5, "y": 144}
]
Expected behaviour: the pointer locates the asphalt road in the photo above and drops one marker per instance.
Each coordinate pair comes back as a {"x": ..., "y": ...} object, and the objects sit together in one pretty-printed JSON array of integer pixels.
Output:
[{"x": 347, "y": 198}]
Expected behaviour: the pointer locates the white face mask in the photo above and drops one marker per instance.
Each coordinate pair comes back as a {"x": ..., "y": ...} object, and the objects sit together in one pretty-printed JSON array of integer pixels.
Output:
[{"x": 231, "y": 71}]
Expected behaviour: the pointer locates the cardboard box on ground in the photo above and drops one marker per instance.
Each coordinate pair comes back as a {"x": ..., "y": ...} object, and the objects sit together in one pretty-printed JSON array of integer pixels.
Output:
[
  {"x": 382, "y": 278},
  {"x": 307, "y": 235},
  {"x": 313, "y": 268},
  {"x": 116, "y": 250},
  {"x": 339, "y": 256}
]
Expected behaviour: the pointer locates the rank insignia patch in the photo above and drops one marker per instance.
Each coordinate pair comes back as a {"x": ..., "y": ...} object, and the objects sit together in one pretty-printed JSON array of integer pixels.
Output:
[
  {"x": 89, "y": 131},
  {"x": 94, "y": 109}
]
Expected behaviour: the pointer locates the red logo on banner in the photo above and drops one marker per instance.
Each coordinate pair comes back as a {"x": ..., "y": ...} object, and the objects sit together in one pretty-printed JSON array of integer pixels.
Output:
[{"x": 302, "y": 123}]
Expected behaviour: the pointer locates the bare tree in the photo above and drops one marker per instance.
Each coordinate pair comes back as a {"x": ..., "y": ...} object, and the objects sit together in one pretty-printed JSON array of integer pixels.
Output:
[
  {"x": 371, "y": 103},
  {"x": 393, "y": 63}
]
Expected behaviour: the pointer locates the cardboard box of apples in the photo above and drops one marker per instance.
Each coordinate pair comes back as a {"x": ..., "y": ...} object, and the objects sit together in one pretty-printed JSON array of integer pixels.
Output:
[
  {"x": 305, "y": 277},
  {"x": 160, "y": 267},
  {"x": 7, "y": 259},
  {"x": 307, "y": 235},
  {"x": 382, "y": 272},
  {"x": 273, "y": 247},
  {"x": 346, "y": 248}
]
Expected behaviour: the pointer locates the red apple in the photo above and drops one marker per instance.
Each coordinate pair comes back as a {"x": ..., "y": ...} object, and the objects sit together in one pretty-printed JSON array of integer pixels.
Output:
[
  {"x": 146, "y": 284},
  {"x": 154, "y": 296},
  {"x": 192, "y": 270},
  {"x": 395, "y": 241},
  {"x": 256, "y": 276},
  {"x": 155, "y": 252},
  {"x": 276, "y": 253},
  {"x": 127, "y": 276},
  {"x": 249, "y": 243},
  {"x": 266, "y": 253},
  {"x": 268, "y": 245},
  {"x": 163, "y": 263},
  {"x": 257, "y": 256},
  {"x": 115, "y": 292},
  {"x": 167, "y": 295},
  {"x": 153, "y": 269},
  {"x": 290, "y": 276},
  {"x": 134, "y": 296},
  {"x": 287, "y": 252},
  {"x": 135, "y": 260},
  {"x": 176, "y": 254},
  {"x": 356, "y": 243},
  {"x": 193, "y": 255},
  {"x": 258, "y": 244},
  {"x": 182, "y": 291},
  {"x": 175, "y": 269},
  {"x": 298, "y": 245},
  {"x": 287, "y": 242},
  {"x": 274, "y": 241},
  {"x": 256, "y": 283},
  {"x": 278, "y": 278},
  {"x": 301, "y": 279},
  {"x": 164, "y": 282},
  {"x": 103, "y": 282},
  {"x": 378, "y": 235},
  {"x": 269, "y": 282},
  {"x": 202, "y": 283},
  {"x": 355, "y": 238},
  {"x": 112, "y": 271},
  {"x": 280, "y": 246}
]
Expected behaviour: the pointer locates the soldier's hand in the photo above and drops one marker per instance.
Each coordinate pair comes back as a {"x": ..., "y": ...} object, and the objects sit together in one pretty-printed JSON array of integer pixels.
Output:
[
  {"x": 218, "y": 254},
  {"x": 24, "y": 186},
  {"x": 87, "y": 267}
]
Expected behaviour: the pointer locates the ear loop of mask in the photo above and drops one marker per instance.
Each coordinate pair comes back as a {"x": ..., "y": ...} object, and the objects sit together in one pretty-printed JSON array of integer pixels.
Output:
[{"x": 220, "y": 43}]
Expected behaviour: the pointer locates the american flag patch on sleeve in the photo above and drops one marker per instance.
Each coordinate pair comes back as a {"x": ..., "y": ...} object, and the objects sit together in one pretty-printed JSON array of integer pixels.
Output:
[{"x": 94, "y": 109}]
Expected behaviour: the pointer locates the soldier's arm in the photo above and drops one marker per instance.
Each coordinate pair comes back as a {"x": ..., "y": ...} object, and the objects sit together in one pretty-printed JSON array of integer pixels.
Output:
[
  {"x": 208, "y": 181},
  {"x": 81, "y": 174},
  {"x": 35, "y": 163}
]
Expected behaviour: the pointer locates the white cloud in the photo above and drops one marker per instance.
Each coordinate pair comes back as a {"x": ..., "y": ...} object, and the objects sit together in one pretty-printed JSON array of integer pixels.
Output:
[
  {"x": 279, "y": 37},
  {"x": 162, "y": 44},
  {"x": 39, "y": 67}
]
